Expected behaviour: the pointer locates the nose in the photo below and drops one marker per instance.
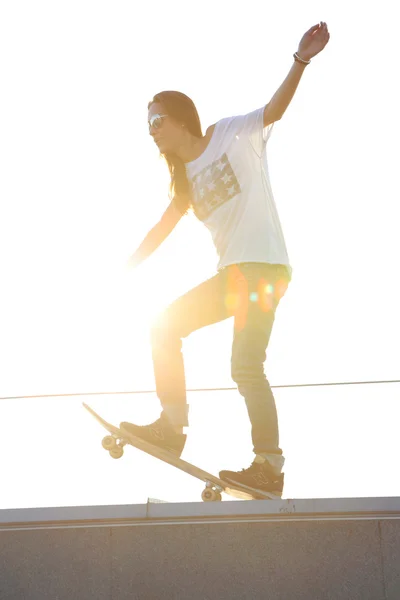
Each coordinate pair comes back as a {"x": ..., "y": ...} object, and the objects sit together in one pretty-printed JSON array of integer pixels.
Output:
[
  {"x": 150, "y": 128},
  {"x": 155, "y": 134}
]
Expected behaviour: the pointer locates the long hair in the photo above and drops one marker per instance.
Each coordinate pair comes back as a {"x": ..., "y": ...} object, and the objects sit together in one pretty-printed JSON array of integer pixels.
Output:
[{"x": 182, "y": 109}]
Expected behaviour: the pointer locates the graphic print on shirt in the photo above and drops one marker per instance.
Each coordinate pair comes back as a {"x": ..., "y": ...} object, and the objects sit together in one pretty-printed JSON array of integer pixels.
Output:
[{"x": 213, "y": 186}]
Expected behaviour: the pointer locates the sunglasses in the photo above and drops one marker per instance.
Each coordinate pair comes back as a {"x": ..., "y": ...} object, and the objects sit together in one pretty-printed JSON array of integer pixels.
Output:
[{"x": 156, "y": 121}]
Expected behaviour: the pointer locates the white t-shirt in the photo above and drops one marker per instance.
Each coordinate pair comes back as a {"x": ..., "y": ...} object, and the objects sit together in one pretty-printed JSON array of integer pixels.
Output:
[{"x": 232, "y": 195}]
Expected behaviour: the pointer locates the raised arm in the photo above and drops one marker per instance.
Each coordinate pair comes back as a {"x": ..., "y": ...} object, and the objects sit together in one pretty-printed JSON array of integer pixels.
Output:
[{"x": 313, "y": 41}]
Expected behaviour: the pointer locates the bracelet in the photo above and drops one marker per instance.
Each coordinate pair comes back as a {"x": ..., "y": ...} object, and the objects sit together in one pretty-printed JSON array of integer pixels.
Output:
[{"x": 300, "y": 60}]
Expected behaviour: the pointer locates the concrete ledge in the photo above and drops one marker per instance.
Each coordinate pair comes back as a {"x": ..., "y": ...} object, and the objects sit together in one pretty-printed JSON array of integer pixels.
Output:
[
  {"x": 317, "y": 509},
  {"x": 150, "y": 513},
  {"x": 69, "y": 515},
  {"x": 306, "y": 549}
]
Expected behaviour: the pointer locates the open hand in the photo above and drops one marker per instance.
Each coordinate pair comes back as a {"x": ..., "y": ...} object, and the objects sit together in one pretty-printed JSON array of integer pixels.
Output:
[{"x": 313, "y": 41}]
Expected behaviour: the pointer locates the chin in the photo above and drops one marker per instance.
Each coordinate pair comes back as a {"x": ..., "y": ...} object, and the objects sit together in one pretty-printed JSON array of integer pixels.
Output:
[{"x": 163, "y": 147}]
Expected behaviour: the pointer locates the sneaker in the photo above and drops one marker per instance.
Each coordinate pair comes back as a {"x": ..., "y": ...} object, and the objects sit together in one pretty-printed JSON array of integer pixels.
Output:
[
  {"x": 257, "y": 478},
  {"x": 160, "y": 434}
]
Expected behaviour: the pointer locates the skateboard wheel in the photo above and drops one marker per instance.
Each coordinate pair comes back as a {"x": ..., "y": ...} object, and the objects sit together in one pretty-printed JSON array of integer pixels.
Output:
[
  {"x": 109, "y": 442},
  {"x": 116, "y": 452},
  {"x": 210, "y": 495}
]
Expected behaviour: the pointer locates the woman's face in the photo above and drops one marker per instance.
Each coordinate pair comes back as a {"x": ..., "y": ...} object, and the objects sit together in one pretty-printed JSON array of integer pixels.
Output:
[{"x": 166, "y": 132}]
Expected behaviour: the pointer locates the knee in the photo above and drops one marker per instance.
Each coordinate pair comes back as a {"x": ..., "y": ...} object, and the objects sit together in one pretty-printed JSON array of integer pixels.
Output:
[
  {"x": 238, "y": 373},
  {"x": 158, "y": 331},
  {"x": 163, "y": 333},
  {"x": 246, "y": 373}
]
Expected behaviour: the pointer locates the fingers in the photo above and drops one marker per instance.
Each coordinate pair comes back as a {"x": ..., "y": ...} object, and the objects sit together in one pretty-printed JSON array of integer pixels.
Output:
[
  {"x": 321, "y": 25},
  {"x": 320, "y": 30},
  {"x": 324, "y": 32}
]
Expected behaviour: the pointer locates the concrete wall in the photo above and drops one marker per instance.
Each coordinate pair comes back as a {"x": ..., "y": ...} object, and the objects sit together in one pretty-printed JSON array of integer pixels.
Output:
[{"x": 202, "y": 552}]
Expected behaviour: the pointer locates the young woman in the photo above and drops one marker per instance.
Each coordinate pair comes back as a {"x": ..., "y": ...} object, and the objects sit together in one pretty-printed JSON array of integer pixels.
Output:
[{"x": 223, "y": 177}]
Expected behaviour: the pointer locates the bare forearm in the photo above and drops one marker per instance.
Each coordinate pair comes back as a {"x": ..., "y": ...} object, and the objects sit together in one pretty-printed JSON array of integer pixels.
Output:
[
  {"x": 151, "y": 242},
  {"x": 284, "y": 95},
  {"x": 157, "y": 235}
]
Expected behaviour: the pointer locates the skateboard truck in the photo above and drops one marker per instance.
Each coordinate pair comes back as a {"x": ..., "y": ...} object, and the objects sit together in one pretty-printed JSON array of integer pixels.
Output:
[
  {"x": 212, "y": 492},
  {"x": 114, "y": 445}
]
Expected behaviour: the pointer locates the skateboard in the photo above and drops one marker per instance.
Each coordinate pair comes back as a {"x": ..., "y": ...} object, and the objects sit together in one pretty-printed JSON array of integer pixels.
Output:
[{"x": 119, "y": 438}]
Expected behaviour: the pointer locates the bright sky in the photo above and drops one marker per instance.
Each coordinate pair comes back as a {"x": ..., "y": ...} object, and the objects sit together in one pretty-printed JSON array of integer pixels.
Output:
[{"x": 82, "y": 184}]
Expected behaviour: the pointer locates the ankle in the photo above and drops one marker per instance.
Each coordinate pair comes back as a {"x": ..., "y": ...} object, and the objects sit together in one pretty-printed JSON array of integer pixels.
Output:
[
  {"x": 178, "y": 429},
  {"x": 175, "y": 428},
  {"x": 275, "y": 461},
  {"x": 176, "y": 416}
]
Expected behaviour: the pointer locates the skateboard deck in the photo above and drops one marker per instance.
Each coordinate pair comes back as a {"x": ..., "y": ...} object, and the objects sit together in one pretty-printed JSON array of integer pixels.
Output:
[{"x": 115, "y": 443}]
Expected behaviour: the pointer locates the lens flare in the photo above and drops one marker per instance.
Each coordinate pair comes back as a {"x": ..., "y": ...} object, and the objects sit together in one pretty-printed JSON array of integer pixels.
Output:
[
  {"x": 269, "y": 288},
  {"x": 265, "y": 296},
  {"x": 231, "y": 301}
]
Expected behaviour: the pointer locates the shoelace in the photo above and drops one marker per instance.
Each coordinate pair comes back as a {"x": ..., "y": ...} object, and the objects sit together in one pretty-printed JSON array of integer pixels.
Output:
[
  {"x": 248, "y": 468},
  {"x": 271, "y": 476}
]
